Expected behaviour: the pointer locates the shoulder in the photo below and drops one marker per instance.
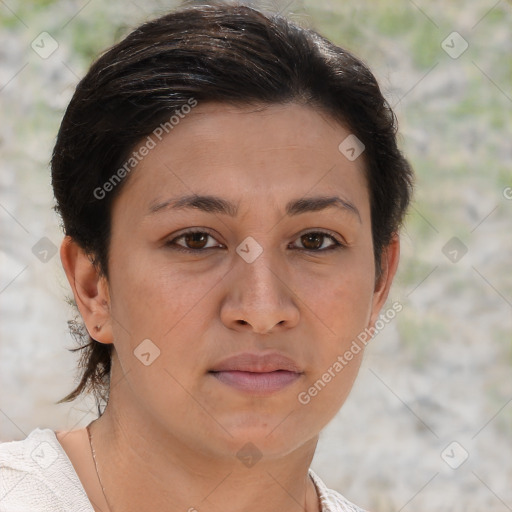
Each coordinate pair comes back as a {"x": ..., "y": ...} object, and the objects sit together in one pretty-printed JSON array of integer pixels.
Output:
[
  {"x": 331, "y": 500},
  {"x": 36, "y": 450},
  {"x": 36, "y": 474}
]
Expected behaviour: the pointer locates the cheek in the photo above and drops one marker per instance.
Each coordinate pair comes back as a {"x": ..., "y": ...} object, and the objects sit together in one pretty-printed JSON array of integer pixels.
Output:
[
  {"x": 342, "y": 298},
  {"x": 338, "y": 350},
  {"x": 154, "y": 300},
  {"x": 351, "y": 304},
  {"x": 149, "y": 294},
  {"x": 344, "y": 307}
]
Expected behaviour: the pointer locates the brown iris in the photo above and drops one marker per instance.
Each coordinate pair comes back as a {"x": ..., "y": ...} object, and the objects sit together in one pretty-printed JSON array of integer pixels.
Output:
[
  {"x": 316, "y": 240},
  {"x": 196, "y": 240}
]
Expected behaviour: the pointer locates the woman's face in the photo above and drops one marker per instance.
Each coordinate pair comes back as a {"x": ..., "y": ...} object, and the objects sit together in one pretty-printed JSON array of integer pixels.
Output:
[{"x": 268, "y": 272}]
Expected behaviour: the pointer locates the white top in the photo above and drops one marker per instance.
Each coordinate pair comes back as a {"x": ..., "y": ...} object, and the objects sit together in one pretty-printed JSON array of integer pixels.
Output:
[{"x": 36, "y": 475}]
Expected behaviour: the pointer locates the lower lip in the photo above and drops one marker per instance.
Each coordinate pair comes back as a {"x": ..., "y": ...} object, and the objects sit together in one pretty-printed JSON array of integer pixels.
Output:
[{"x": 252, "y": 382}]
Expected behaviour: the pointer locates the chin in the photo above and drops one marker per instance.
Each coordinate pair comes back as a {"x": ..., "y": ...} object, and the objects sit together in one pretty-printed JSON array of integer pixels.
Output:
[{"x": 272, "y": 436}]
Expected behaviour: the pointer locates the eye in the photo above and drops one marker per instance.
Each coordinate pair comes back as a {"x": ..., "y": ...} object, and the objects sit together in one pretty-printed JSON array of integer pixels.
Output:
[
  {"x": 195, "y": 241},
  {"x": 314, "y": 241}
]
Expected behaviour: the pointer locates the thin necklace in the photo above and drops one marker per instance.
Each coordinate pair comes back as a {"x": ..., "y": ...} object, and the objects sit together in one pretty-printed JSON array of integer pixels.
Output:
[
  {"x": 96, "y": 468},
  {"x": 103, "y": 488}
]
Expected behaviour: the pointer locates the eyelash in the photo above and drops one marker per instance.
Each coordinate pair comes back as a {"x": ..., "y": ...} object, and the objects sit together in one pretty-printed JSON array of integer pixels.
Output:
[{"x": 171, "y": 243}]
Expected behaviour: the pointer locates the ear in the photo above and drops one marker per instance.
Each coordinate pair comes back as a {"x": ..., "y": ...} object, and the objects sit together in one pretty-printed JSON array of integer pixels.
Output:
[
  {"x": 90, "y": 290},
  {"x": 389, "y": 263}
]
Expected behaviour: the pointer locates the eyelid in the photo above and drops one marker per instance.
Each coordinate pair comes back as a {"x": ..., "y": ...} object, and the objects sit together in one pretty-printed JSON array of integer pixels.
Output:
[
  {"x": 326, "y": 232},
  {"x": 191, "y": 231}
]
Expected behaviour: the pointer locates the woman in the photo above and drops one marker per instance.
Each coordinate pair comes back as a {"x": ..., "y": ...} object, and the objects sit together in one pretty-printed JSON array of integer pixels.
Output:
[{"x": 231, "y": 193}]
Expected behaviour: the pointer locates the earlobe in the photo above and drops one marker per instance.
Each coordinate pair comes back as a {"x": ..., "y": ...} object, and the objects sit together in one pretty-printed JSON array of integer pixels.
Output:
[
  {"x": 389, "y": 264},
  {"x": 90, "y": 290}
]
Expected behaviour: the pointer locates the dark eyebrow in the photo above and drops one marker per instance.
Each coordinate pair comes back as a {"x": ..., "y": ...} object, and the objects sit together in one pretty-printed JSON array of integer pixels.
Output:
[{"x": 214, "y": 204}]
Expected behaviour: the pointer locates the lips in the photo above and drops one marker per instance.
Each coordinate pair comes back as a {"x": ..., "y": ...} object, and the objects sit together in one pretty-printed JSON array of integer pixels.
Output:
[
  {"x": 257, "y": 363},
  {"x": 259, "y": 374}
]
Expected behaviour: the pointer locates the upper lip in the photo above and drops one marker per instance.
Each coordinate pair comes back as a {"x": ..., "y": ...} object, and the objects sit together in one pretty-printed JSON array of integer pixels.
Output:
[{"x": 257, "y": 363}]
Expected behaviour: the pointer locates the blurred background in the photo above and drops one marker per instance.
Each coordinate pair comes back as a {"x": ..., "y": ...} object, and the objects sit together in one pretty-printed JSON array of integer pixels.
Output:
[{"x": 428, "y": 425}]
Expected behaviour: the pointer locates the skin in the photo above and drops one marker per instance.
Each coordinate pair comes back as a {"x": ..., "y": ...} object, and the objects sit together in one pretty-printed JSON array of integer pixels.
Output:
[{"x": 170, "y": 428}]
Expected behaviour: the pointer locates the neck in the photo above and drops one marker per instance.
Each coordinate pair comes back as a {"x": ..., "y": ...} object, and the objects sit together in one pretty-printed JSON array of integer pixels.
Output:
[{"x": 144, "y": 467}]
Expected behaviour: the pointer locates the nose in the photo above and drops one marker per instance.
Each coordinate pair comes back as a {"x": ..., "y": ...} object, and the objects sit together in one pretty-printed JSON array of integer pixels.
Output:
[{"x": 259, "y": 297}]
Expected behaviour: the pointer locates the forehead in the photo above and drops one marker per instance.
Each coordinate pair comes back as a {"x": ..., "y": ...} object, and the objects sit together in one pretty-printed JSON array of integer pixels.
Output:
[{"x": 248, "y": 154}]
